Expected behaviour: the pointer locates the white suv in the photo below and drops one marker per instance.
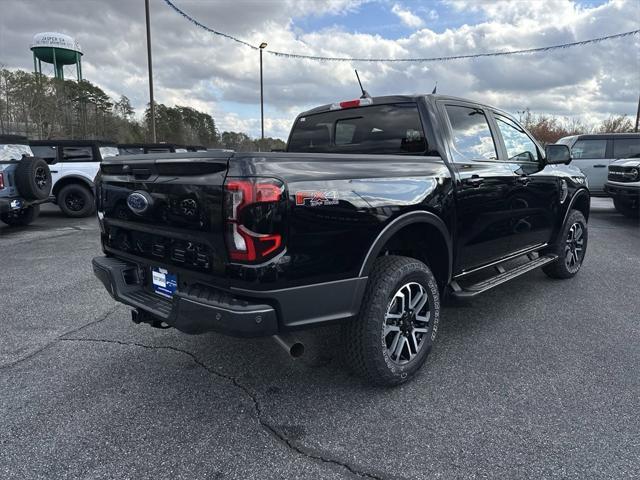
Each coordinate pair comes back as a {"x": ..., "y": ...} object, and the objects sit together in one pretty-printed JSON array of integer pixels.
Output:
[
  {"x": 623, "y": 185},
  {"x": 74, "y": 164}
]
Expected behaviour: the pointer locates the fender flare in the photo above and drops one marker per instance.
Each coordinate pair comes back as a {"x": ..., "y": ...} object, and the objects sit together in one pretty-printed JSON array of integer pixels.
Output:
[
  {"x": 398, "y": 223},
  {"x": 579, "y": 192},
  {"x": 73, "y": 178}
]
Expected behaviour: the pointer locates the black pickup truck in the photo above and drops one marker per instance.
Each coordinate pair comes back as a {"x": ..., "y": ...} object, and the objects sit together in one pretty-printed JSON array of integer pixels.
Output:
[{"x": 378, "y": 208}]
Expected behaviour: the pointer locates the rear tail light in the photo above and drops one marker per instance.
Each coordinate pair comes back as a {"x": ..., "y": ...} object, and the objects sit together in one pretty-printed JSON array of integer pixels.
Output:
[
  {"x": 253, "y": 210},
  {"x": 1, "y": 181}
]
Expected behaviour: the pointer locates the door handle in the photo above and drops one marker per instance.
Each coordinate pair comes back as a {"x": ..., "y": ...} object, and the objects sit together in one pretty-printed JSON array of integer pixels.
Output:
[
  {"x": 523, "y": 180},
  {"x": 53, "y": 171},
  {"x": 599, "y": 166},
  {"x": 474, "y": 181}
]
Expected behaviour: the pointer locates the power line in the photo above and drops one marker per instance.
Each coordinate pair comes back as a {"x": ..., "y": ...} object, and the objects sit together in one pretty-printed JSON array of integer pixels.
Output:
[{"x": 397, "y": 60}]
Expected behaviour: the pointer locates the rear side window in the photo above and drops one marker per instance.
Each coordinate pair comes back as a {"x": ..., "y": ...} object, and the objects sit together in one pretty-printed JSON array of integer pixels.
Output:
[
  {"x": 626, "y": 147},
  {"x": 77, "y": 154},
  {"x": 130, "y": 150},
  {"x": 48, "y": 153},
  {"x": 584, "y": 149},
  {"x": 472, "y": 137},
  {"x": 377, "y": 129}
]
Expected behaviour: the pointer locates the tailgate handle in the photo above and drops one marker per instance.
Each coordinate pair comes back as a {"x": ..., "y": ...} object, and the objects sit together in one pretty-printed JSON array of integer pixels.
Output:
[{"x": 141, "y": 172}]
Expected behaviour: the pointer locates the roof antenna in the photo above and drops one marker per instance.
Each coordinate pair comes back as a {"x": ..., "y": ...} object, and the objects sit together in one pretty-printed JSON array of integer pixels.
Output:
[
  {"x": 435, "y": 87},
  {"x": 365, "y": 94}
]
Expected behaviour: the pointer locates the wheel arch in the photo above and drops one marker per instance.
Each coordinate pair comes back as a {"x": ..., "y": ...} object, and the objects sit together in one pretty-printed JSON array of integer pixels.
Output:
[
  {"x": 581, "y": 201},
  {"x": 418, "y": 234},
  {"x": 70, "y": 180}
]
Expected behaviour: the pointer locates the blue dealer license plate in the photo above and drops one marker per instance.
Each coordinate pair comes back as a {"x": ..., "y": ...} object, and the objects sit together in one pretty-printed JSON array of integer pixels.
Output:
[{"x": 164, "y": 283}]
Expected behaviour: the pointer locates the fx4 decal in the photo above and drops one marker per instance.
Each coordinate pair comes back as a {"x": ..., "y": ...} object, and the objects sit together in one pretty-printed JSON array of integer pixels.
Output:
[{"x": 312, "y": 198}]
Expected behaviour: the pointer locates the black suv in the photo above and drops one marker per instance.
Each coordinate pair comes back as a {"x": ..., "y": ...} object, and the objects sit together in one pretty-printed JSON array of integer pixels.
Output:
[{"x": 378, "y": 207}]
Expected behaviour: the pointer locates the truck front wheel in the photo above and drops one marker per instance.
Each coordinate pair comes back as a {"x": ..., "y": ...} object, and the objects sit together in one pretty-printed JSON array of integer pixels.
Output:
[
  {"x": 628, "y": 209},
  {"x": 392, "y": 335}
]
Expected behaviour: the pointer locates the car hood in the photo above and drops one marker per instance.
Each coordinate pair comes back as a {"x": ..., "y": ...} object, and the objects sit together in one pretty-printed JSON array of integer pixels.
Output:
[{"x": 627, "y": 162}]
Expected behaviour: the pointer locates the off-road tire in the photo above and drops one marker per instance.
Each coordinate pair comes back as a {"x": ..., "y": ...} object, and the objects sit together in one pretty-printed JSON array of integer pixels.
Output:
[
  {"x": 626, "y": 208},
  {"x": 33, "y": 178},
  {"x": 76, "y": 200},
  {"x": 365, "y": 348},
  {"x": 560, "y": 268},
  {"x": 21, "y": 217}
]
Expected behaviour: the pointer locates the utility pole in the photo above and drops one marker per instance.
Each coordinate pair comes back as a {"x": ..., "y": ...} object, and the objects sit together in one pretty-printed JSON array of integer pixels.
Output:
[
  {"x": 151, "y": 102},
  {"x": 637, "y": 115},
  {"x": 263, "y": 45}
]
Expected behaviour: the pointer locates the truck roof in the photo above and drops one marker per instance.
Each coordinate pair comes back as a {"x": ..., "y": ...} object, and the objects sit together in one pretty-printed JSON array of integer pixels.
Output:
[
  {"x": 13, "y": 140},
  {"x": 73, "y": 143},
  {"x": 399, "y": 99}
]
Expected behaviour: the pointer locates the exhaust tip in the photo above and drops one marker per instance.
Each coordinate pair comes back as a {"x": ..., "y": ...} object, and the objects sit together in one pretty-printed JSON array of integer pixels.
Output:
[
  {"x": 293, "y": 347},
  {"x": 296, "y": 350}
]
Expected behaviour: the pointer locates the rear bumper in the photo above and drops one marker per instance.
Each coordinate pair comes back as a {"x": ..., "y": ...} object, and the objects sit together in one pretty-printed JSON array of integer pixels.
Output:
[
  {"x": 12, "y": 204},
  {"x": 241, "y": 313}
]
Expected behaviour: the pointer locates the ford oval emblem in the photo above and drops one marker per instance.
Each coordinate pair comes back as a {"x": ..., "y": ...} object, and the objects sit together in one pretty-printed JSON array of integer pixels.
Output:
[{"x": 139, "y": 202}]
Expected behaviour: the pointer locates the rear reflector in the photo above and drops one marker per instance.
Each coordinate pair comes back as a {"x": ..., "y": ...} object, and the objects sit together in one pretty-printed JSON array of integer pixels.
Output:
[
  {"x": 1, "y": 181},
  {"x": 358, "y": 102}
]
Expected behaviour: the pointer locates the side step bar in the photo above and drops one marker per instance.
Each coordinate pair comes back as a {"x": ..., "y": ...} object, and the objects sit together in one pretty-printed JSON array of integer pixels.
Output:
[{"x": 468, "y": 291}]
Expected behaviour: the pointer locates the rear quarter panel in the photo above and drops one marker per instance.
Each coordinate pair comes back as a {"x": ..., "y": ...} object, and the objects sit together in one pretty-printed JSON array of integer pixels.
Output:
[{"x": 338, "y": 204}]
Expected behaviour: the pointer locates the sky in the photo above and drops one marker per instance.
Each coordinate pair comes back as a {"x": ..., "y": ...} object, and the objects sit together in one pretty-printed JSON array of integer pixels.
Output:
[{"x": 196, "y": 68}]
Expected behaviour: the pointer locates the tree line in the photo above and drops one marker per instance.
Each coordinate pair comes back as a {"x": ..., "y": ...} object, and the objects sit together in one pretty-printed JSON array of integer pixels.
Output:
[{"x": 42, "y": 107}]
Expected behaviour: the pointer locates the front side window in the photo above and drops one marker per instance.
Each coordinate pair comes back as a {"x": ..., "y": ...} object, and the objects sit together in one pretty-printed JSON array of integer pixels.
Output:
[
  {"x": 376, "y": 129},
  {"x": 472, "y": 137},
  {"x": 626, "y": 147},
  {"x": 108, "y": 152},
  {"x": 77, "y": 154},
  {"x": 47, "y": 152},
  {"x": 585, "y": 149},
  {"x": 520, "y": 147}
]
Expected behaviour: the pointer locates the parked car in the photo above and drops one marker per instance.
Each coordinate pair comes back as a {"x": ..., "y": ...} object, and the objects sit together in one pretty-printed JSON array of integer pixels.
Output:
[
  {"x": 138, "y": 148},
  {"x": 377, "y": 208},
  {"x": 74, "y": 165},
  {"x": 25, "y": 181},
  {"x": 593, "y": 153},
  {"x": 623, "y": 184}
]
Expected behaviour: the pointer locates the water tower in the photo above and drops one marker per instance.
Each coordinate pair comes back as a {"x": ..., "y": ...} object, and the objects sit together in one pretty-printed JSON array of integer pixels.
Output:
[{"x": 57, "y": 49}]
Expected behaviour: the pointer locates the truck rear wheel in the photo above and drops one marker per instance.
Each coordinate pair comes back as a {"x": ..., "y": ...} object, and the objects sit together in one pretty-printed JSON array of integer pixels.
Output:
[
  {"x": 392, "y": 335},
  {"x": 21, "y": 217},
  {"x": 76, "y": 200},
  {"x": 33, "y": 178}
]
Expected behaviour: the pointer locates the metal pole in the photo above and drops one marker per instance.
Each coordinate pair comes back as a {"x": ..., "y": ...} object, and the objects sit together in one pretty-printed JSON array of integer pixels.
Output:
[
  {"x": 151, "y": 103},
  {"x": 261, "y": 97},
  {"x": 637, "y": 115}
]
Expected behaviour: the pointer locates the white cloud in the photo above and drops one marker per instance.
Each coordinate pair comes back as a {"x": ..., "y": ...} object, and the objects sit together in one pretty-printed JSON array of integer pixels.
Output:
[
  {"x": 196, "y": 68},
  {"x": 406, "y": 16}
]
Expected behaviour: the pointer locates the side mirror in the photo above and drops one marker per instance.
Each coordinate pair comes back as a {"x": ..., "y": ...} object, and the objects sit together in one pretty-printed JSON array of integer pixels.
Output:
[{"x": 557, "y": 154}]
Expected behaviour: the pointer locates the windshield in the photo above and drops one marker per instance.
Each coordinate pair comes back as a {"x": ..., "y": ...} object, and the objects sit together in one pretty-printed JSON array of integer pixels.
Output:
[
  {"x": 109, "y": 152},
  {"x": 378, "y": 129},
  {"x": 14, "y": 151}
]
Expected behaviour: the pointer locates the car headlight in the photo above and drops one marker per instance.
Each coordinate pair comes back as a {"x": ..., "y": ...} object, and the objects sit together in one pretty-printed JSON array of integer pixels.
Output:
[
  {"x": 636, "y": 174},
  {"x": 581, "y": 181}
]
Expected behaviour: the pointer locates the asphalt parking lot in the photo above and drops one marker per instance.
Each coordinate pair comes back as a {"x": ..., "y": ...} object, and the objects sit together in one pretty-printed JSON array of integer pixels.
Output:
[{"x": 535, "y": 379}]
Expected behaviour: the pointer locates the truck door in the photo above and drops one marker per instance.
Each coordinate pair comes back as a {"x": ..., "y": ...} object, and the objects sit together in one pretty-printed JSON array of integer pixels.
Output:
[
  {"x": 483, "y": 183},
  {"x": 592, "y": 157},
  {"x": 79, "y": 161},
  {"x": 534, "y": 199}
]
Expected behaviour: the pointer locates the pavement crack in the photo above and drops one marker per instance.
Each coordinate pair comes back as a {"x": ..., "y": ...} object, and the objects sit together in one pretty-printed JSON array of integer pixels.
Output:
[
  {"x": 57, "y": 339},
  {"x": 258, "y": 408}
]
